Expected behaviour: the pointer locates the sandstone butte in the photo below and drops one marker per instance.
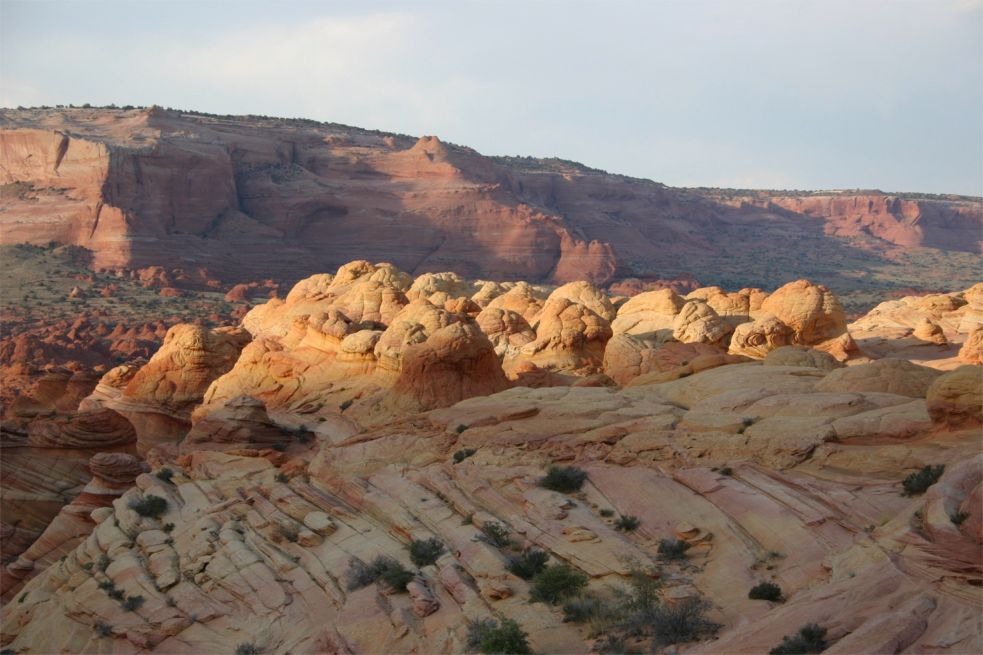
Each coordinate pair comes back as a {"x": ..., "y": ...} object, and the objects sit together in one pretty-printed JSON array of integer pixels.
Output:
[{"x": 370, "y": 408}]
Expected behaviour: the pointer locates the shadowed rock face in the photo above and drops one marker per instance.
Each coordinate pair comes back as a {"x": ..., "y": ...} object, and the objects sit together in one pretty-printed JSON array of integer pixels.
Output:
[
  {"x": 369, "y": 409},
  {"x": 159, "y": 188}
]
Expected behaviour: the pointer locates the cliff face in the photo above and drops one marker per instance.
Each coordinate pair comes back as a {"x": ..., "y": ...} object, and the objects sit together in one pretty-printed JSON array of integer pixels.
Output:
[{"x": 248, "y": 198}]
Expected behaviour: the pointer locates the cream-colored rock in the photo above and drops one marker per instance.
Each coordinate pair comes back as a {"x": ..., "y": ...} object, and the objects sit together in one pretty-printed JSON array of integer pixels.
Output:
[
  {"x": 159, "y": 398},
  {"x": 760, "y": 337},
  {"x": 930, "y": 331},
  {"x": 895, "y": 376},
  {"x": 506, "y": 329},
  {"x": 587, "y": 295},
  {"x": 697, "y": 322},
  {"x": 522, "y": 299},
  {"x": 569, "y": 337},
  {"x": 955, "y": 399},
  {"x": 814, "y": 314},
  {"x": 649, "y": 315},
  {"x": 801, "y": 356},
  {"x": 971, "y": 351}
]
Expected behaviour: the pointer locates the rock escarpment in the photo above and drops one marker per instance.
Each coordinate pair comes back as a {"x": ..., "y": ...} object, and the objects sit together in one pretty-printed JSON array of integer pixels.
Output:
[{"x": 152, "y": 187}]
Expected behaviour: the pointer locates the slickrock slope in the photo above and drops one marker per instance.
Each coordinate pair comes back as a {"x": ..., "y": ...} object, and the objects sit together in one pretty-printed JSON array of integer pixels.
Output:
[
  {"x": 938, "y": 330},
  {"x": 188, "y": 192},
  {"x": 371, "y": 410}
]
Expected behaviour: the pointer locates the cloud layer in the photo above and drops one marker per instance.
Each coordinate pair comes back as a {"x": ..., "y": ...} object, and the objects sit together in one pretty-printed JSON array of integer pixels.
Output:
[{"x": 805, "y": 94}]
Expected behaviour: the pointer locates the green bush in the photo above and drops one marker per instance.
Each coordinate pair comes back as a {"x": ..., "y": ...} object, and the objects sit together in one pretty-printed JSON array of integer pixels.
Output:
[
  {"x": 288, "y": 531},
  {"x": 463, "y": 454},
  {"x": 556, "y": 583},
  {"x": 958, "y": 517},
  {"x": 425, "y": 551},
  {"x": 765, "y": 591},
  {"x": 103, "y": 629},
  {"x": 565, "y": 479},
  {"x": 489, "y": 637},
  {"x": 585, "y": 609},
  {"x": 528, "y": 564},
  {"x": 916, "y": 483},
  {"x": 606, "y": 513},
  {"x": 149, "y": 506},
  {"x": 672, "y": 549},
  {"x": 810, "y": 639},
  {"x": 133, "y": 603},
  {"x": 382, "y": 569},
  {"x": 681, "y": 622},
  {"x": 248, "y": 649},
  {"x": 496, "y": 534},
  {"x": 165, "y": 474},
  {"x": 627, "y": 523}
]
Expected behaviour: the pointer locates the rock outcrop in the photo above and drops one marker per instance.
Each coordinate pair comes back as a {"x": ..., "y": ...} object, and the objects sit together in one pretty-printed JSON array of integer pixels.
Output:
[
  {"x": 281, "y": 511},
  {"x": 158, "y": 399}
]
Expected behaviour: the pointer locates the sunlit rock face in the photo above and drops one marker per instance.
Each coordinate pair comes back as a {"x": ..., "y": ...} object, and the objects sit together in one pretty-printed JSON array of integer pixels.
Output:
[{"x": 369, "y": 410}]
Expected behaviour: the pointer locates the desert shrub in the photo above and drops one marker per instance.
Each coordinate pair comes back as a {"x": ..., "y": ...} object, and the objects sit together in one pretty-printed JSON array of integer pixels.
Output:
[
  {"x": 396, "y": 576},
  {"x": 606, "y": 513},
  {"x": 613, "y": 645},
  {"x": 463, "y": 454},
  {"x": 556, "y": 583},
  {"x": 103, "y": 629},
  {"x": 288, "y": 531},
  {"x": 496, "y": 534},
  {"x": 765, "y": 591},
  {"x": 116, "y": 594},
  {"x": 460, "y": 428},
  {"x": 281, "y": 478},
  {"x": 361, "y": 574},
  {"x": 958, "y": 517},
  {"x": 672, "y": 549},
  {"x": 425, "y": 551},
  {"x": 584, "y": 609},
  {"x": 727, "y": 470},
  {"x": 248, "y": 649},
  {"x": 345, "y": 405},
  {"x": 382, "y": 569},
  {"x": 528, "y": 564},
  {"x": 565, "y": 479},
  {"x": 105, "y": 585},
  {"x": 488, "y": 636},
  {"x": 168, "y": 527},
  {"x": 303, "y": 435},
  {"x": 279, "y": 446},
  {"x": 809, "y": 639},
  {"x": 627, "y": 523},
  {"x": 149, "y": 506},
  {"x": 133, "y": 603},
  {"x": 682, "y": 622},
  {"x": 165, "y": 474},
  {"x": 916, "y": 483}
]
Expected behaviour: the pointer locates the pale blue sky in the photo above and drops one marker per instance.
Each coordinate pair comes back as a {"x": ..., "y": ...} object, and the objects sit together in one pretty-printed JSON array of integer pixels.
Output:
[{"x": 773, "y": 94}]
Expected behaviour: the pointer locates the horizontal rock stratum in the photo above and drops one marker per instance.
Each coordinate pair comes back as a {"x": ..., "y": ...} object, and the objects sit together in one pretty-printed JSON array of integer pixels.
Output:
[
  {"x": 248, "y": 198},
  {"x": 234, "y": 493}
]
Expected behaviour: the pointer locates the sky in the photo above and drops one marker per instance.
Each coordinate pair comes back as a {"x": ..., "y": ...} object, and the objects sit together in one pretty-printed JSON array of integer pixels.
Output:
[{"x": 782, "y": 94}]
